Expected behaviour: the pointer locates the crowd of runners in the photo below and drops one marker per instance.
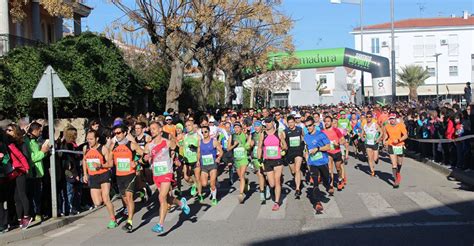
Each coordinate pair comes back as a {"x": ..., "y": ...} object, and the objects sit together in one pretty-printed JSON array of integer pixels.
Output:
[{"x": 183, "y": 155}]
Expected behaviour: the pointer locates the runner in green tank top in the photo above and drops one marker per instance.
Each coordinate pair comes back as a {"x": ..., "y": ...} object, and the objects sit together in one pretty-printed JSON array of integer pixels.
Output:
[
  {"x": 191, "y": 142},
  {"x": 256, "y": 162},
  {"x": 239, "y": 143}
]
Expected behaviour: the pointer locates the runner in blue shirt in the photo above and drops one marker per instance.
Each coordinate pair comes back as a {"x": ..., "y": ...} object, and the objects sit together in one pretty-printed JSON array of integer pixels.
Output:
[{"x": 317, "y": 145}]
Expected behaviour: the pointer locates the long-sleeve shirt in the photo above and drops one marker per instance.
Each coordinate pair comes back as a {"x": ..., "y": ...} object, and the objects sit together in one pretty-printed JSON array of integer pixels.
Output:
[{"x": 450, "y": 130}]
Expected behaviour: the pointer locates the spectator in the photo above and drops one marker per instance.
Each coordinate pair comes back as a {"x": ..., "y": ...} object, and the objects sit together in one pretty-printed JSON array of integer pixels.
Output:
[
  {"x": 36, "y": 155},
  {"x": 468, "y": 93},
  {"x": 72, "y": 170}
]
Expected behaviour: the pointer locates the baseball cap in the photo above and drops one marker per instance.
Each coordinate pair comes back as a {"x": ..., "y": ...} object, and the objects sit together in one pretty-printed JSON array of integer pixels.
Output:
[
  {"x": 237, "y": 124},
  {"x": 212, "y": 119},
  {"x": 293, "y": 112},
  {"x": 392, "y": 116},
  {"x": 168, "y": 118},
  {"x": 180, "y": 126},
  {"x": 342, "y": 112},
  {"x": 257, "y": 123},
  {"x": 166, "y": 114},
  {"x": 117, "y": 122},
  {"x": 297, "y": 115}
]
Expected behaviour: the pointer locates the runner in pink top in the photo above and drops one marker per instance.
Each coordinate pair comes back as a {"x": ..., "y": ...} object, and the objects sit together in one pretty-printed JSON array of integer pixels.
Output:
[{"x": 335, "y": 156}]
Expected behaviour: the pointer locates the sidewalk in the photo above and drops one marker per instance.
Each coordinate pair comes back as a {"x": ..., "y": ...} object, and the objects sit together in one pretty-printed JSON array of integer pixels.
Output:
[
  {"x": 37, "y": 229},
  {"x": 465, "y": 177}
]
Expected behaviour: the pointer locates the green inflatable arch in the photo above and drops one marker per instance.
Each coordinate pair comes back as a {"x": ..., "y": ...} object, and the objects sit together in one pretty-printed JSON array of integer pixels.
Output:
[{"x": 378, "y": 66}]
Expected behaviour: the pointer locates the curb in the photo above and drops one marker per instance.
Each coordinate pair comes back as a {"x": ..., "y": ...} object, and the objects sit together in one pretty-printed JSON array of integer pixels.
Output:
[
  {"x": 37, "y": 230},
  {"x": 457, "y": 174}
]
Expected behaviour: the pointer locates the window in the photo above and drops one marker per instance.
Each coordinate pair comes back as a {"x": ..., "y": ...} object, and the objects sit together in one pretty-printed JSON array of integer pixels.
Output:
[
  {"x": 430, "y": 45},
  {"x": 453, "y": 45},
  {"x": 295, "y": 85},
  {"x": 418, "y": 48},
  {"x": 453, "y": 71},
  {"x": 431, "y": 71},
  {"x": 323, "y": 79},
  {"x": 375, "y": 46}
]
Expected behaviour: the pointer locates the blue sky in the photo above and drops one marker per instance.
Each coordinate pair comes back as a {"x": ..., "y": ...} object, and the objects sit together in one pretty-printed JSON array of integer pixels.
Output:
[{"x": 318, "y": 23}]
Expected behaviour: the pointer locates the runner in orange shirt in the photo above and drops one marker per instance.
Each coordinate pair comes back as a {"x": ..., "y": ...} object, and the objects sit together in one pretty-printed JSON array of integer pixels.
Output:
[{"x": 395, "y": 135}]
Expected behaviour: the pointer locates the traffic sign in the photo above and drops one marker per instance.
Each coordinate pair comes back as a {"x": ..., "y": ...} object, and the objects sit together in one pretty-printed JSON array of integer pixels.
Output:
[
  {"x": 51, "y": 86},
  {"x": 43, "y": 89}
]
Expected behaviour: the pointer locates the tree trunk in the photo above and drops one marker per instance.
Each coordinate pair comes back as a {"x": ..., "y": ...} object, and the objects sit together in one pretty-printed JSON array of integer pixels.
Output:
[
  {"x": 229, "y": 80},
  {"x": 413, "y": 95},
  {"x": 205, "y": 87},
  {"x": 175, "y": 86}
]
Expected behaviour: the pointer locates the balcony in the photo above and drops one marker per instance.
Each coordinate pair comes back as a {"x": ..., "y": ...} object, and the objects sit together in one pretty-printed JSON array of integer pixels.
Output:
[{"x": 9, "y": 42}]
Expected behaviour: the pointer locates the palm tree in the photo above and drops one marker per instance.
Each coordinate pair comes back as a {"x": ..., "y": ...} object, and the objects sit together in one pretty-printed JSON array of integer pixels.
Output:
[{"x": 412, "y": 76}]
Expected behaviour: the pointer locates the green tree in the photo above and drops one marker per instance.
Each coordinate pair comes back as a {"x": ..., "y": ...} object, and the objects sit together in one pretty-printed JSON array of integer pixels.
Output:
[
  {"x": 412, "y": 76},
  {"x": 91, "y": 67}
]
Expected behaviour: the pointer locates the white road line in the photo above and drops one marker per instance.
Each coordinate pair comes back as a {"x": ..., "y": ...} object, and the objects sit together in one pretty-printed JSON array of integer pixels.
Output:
[
  {"x": 467, "y": 196},
  {"x": 64, "y": 231},
  {"x": 376, "y": 205},
  {"x": 222, "y": 211},
  {"x": 331, "y": 210},
  {"x": 430, "y": 204},
  {"x": 267, "y": 213}
]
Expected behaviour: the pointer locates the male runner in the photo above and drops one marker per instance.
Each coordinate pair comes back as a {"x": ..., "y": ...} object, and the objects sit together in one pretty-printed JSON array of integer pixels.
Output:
[
  {"x": 294, "y": 156},
  {"x": 395, "y": 136},
  {"x": 142, "y": 138},
  {"x": 317, "y": 145},
  {"x": 190, "y": 143},
  {"x": 160, "y": 153},
  {"x": 123, "y": 155},
  {"x": 335, "y": 156}
]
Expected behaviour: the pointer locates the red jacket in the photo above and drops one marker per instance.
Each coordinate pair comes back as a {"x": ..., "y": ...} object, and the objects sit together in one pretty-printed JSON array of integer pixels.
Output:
[
  {"x": 19, "y": 162},
  {"x": 450, "y": 130}
]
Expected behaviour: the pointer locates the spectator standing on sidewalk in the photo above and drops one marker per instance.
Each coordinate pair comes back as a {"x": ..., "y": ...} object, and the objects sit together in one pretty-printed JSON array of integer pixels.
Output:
[{"x": 468, "y": 93}]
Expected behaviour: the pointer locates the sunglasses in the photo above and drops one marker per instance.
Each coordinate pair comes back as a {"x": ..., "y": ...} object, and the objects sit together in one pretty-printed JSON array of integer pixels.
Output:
[
  {"x": 205, "y": 131},
  {"x": 311, "y": 125},
  {"x": 118, "y": 132}
]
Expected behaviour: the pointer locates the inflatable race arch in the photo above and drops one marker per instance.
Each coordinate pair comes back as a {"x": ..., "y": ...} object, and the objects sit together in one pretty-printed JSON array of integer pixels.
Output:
[{"x": 378, "y": 66}]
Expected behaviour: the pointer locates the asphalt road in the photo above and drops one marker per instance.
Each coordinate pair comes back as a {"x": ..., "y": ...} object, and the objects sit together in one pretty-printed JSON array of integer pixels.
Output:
[{"x": 427, "y": 209}]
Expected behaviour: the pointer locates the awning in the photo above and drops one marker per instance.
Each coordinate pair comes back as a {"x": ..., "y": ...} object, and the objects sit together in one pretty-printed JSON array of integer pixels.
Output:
[{"x": 426, "y": 90}]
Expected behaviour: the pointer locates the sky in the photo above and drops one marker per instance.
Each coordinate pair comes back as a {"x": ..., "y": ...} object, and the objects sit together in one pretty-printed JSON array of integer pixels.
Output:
[{"x": 320, "y": 24}]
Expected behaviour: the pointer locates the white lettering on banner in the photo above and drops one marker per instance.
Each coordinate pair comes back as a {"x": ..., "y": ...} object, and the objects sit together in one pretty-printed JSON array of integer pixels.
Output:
[{"x": 382, "y": 86}]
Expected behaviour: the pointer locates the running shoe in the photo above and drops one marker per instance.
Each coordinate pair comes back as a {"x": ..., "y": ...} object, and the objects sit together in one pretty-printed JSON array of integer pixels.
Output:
[
  {"x": 38, "y": 218},
  {"x": 214, "y": 202},
  {"x": 276, "y": 207},
  {"x": 201, "y": 198},
  {"x": 193, "y": 190},
  {"x": 112, "y": 224},
  {"x": 345, "y": 181},
  {"x": 331, "y": 191},
  {"x": 20, "y": 223},
  {"x": 297, "y": 194},
  {"x": 241, "y": 198},
  {"x": 184, "y": 206},
  {"x": 318, "y": 208},
  {"x": 262, "y": 197},
  {"x": 157, "y": 228},
  {"x": 127, "y": 227},
  {"x": 340, "y": 185},
  {"x": 399, "y": 177},
  {"x": 26, "y": 222},
  {"x": 267, "y": 192},
  {"x": 247, "y": 185}
]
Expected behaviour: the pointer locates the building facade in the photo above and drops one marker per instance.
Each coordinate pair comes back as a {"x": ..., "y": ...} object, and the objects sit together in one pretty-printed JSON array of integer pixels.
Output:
[
  {"x": 38, "y": 27},
  {"x": 420, "y": 41}
]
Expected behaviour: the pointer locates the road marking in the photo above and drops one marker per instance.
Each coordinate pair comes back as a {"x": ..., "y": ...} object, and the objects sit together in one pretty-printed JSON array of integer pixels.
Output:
[
  {"x": 376, "y": 205},
  {"x": 64, "y": 231},
  {"x": 468, "y": 196},
  {"x": 266, "y": 212},
  {"x": 331, "y": 210},
  {"x": 223, "y": 210},
  {"x": 430, "y": 204}
]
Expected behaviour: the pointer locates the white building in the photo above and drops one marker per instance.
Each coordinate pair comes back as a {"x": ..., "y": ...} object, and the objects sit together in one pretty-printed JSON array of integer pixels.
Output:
[
  {"x": 336, "y": 85},
  {"x": 416, "y": 42}
]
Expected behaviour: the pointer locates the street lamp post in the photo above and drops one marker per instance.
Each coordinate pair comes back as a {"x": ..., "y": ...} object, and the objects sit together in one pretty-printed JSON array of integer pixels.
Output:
[
  {"x": 394, "y": 88},
  {"x": 437, "y": 82},
  {"x": 361, "y": 4}
]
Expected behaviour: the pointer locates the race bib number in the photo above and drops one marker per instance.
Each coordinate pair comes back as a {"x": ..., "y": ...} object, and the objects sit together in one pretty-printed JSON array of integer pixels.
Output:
[
  {"x": 370, "y": 139},
  {"x": 91, "y": 162},
  {"x": 344, "y": 125},
  {"x": 207, "y": 160},
  {"x": 397, "y": 150},
  {"x": 333, "y": 147},
  {"x": 295, "y": 141},
  {"x": 239, "y": 153},
  {"x": 123, "y": 164},
  {"x": 254, "y": 152},
  {"x": 317, "y": 156},
  {"x": 272, "y": 151},
  {"x": 189, "y": 153},
  {"x": 160, "y": 168}
]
